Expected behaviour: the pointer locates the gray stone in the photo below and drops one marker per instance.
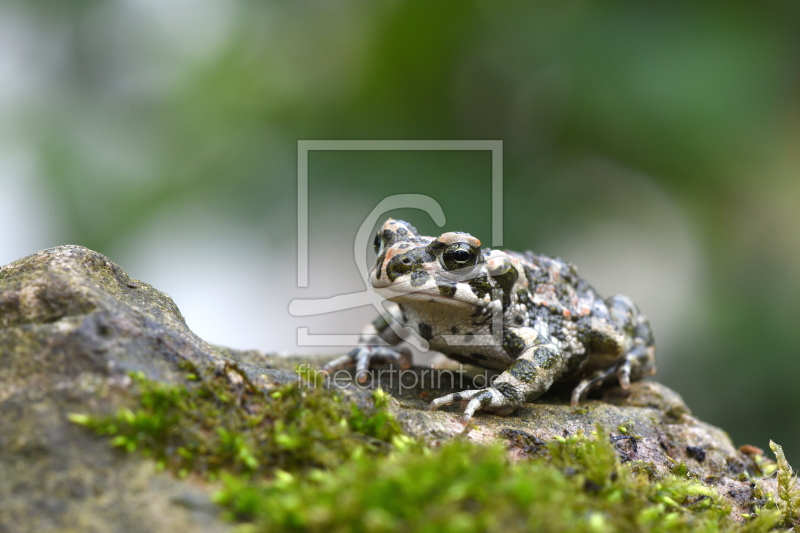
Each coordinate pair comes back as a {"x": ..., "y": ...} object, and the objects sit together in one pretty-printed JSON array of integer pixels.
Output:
[{"x": 72, "y": 325}]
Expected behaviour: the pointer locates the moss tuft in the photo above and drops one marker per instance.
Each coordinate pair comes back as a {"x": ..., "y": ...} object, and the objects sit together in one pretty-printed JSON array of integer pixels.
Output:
[
  {"x": 788, "y": 496},
  {"x": 464, "y": 487},
  {"x": 212, "y": 427}
]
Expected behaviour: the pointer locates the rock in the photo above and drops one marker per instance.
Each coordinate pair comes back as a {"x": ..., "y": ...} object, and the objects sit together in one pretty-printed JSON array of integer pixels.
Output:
[{"x": 73, "y": 324}]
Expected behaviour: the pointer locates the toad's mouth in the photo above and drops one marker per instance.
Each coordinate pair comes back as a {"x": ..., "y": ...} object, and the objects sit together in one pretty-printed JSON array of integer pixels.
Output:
[{"x": 404, "y": 292}]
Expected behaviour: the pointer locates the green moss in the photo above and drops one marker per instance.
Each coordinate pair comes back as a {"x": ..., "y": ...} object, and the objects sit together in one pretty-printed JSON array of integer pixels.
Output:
[
  {"x": 308, "y": 459},
  {"x": 212, "y": 427},
  {"x": 681, "y": 470},
  {"x": 464, "y": 487},
  {"x": 788, "y": 501}
]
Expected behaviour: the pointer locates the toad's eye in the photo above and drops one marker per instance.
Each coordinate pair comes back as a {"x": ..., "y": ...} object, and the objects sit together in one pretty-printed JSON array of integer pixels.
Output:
[
  {"x": 377, "y": 242},
  {"x": 459, "y": 255}
]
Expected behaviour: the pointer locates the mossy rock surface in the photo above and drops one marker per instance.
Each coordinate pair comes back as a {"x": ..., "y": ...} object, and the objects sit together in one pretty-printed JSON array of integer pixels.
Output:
[{"x": 74, "y": 326}]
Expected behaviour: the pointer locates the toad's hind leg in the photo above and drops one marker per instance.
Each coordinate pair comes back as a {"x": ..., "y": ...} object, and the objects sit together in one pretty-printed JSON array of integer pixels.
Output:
[{"x": 638, "y": 359}]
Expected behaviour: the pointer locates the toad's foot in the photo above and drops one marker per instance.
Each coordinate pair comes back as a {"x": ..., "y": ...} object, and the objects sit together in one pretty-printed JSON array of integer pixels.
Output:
[
  {"x": 621, "y": 370},
  {"x": 364, "y": 357},
  {"x": 488, "y": 399}
]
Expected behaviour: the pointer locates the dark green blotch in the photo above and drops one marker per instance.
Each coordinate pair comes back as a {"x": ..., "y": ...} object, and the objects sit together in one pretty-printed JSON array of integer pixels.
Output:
[
  {"x": 523, "y": 370},
  {"x": 411, "y": 228},
  {"x": 480, "y": 286},
  {"x": 411, "y": 261},
  {"x": 389, "y": 237},
  {"x": 506, "y": 281},
  {"x": 379, "y": 264},
  {"x": 418, "y": 278},
  {"x": 546, "y": 357},
  {"x": 446, "y": 288},
  {"x": 425, "y": 331},
  {"x": 511, "y": 392},
  {"x": 436, "y": 247},
  {"x": 512, "y": 343},
  {"x": 598, "y": 341}
]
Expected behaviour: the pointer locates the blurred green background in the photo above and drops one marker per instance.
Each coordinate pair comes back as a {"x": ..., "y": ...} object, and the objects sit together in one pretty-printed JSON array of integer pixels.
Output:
[{"x": 655, "y": 145}]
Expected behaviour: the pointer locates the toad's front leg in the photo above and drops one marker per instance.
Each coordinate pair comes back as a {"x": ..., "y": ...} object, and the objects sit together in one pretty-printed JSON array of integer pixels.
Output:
[
  {"x": 368, "y": 353},
  {"x": 526, "y": 379}
]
